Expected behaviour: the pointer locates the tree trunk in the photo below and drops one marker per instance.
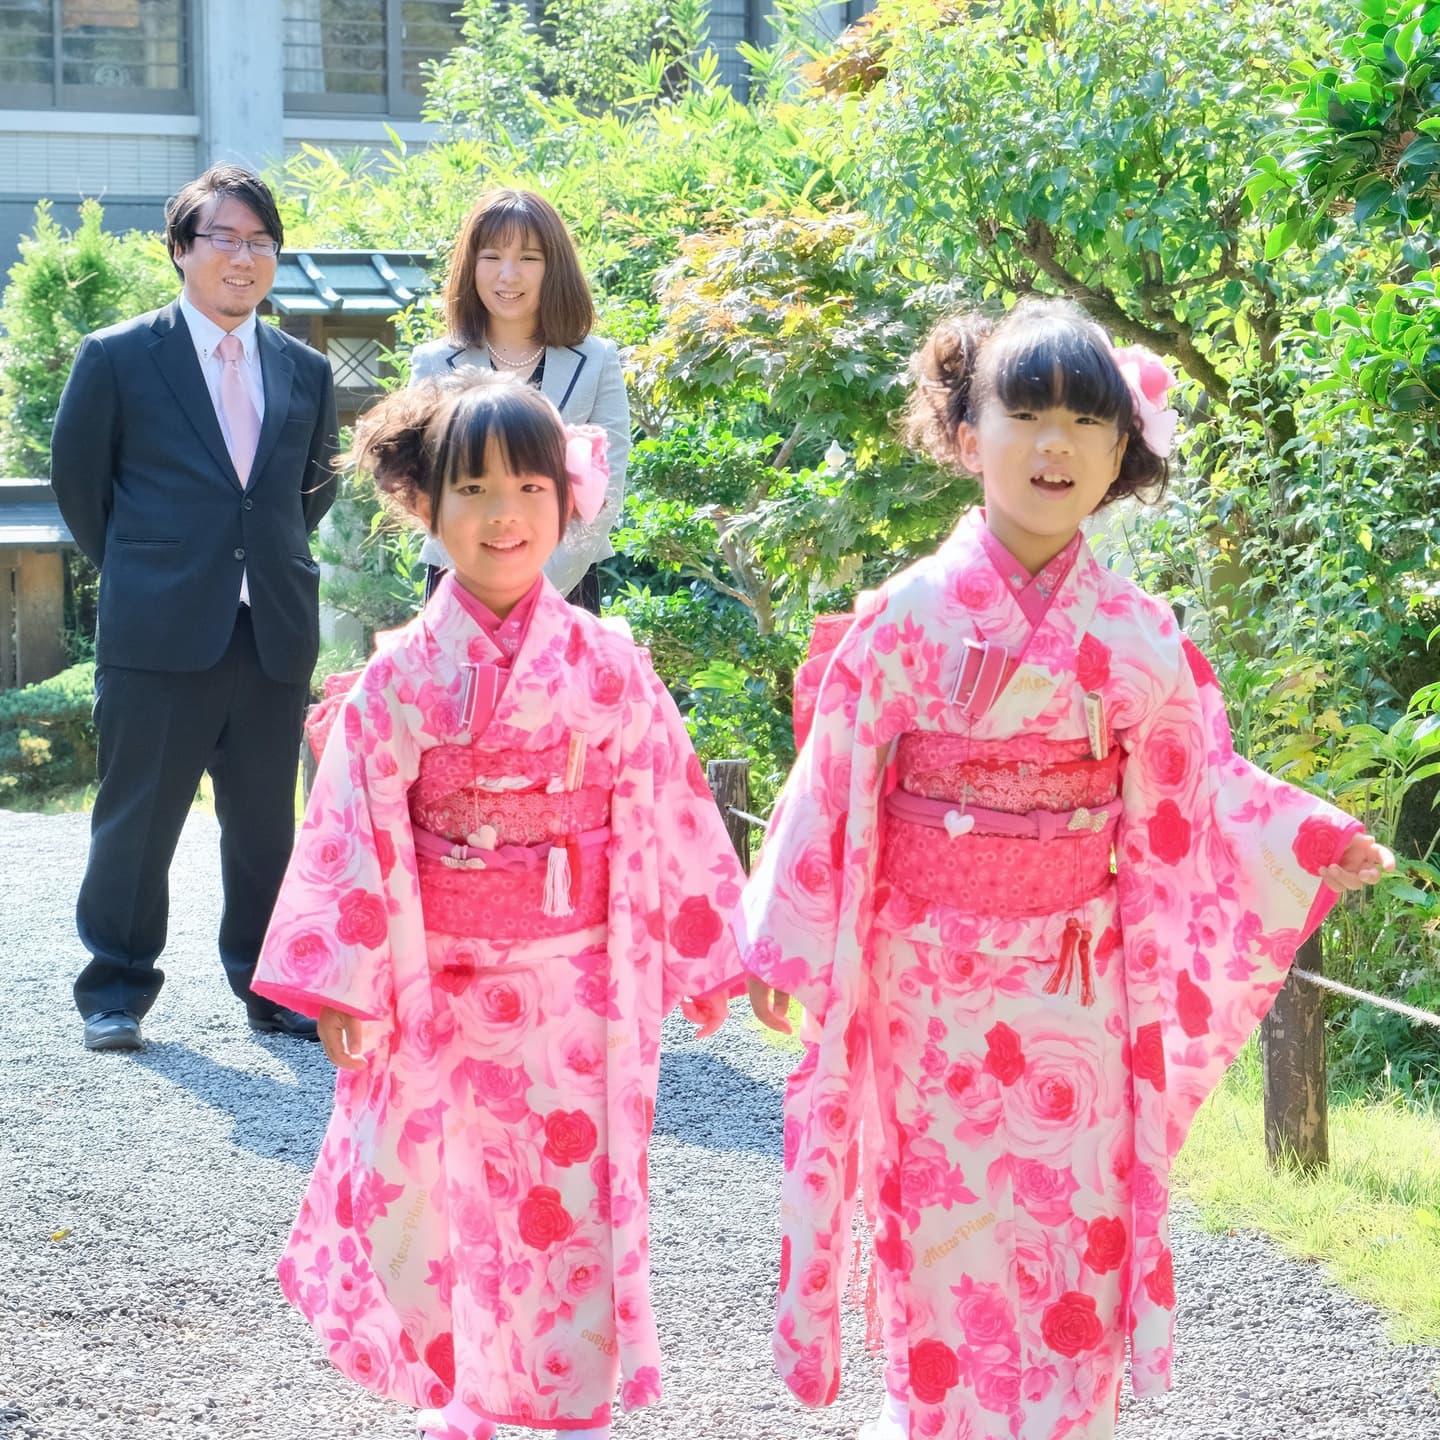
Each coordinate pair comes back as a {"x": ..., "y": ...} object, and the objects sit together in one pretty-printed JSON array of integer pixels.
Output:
[{"x": 1292, "y": 1045}]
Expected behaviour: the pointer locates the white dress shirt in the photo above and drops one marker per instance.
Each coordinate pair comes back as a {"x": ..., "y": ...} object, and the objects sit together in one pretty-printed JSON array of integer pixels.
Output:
[{"x": 207, "y": 335}]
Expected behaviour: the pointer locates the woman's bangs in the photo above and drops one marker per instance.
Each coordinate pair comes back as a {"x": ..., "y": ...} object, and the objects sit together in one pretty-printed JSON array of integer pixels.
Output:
[
  {"x": 1060, "y": 369},
  {"x": 508, "y": 223}
]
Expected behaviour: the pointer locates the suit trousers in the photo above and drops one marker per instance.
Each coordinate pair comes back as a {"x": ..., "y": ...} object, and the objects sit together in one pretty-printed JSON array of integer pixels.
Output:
[{"x": 159, "y": 732}]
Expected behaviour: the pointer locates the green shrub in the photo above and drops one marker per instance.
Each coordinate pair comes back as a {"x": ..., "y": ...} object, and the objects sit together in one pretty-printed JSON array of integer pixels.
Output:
[
  {"x": 66, "y": 284},
  {"x": 47, "y": 734}
]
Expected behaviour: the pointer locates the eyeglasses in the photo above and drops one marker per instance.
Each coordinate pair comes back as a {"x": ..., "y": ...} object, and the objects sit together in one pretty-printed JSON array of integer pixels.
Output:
[{"x": 233, "y": 244}]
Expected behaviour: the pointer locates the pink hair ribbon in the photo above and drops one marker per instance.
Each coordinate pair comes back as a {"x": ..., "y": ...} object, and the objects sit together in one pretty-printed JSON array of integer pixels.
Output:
[
  {"x": 1149, "y": 381},
  {"x": 587, "y": 465}
]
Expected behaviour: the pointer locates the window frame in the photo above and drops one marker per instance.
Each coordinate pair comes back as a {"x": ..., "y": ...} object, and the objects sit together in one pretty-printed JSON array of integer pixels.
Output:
[
  {"x": 118, "y": 99},
  {"x": 395, "y": 101}
]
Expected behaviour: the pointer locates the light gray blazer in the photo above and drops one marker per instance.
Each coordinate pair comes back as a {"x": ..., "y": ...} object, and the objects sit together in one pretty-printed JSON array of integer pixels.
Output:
[{"x": 588, "y": 388}]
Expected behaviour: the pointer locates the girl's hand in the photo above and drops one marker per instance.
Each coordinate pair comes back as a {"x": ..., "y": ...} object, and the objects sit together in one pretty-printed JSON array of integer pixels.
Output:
[
  {"x": 340, "y": 1035},
  {"x": 769, "y": 1005},
  {"x": 707, "y": 1014},
  {"x": 1363, "y": 863}
]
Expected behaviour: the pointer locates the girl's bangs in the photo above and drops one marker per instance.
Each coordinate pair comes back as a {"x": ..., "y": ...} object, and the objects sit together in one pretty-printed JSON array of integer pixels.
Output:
[
  {"x": 1059, "y": 367},
  {"x": 525, "y": 440}
]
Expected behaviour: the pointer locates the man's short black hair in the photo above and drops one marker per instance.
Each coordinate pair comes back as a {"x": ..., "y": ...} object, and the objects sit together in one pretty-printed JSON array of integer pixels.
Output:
[{"x": 183, "y": 211}]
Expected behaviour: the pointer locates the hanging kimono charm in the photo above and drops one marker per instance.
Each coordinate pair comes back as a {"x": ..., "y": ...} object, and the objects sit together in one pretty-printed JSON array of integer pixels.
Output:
[{"x": 562, "y": 866}]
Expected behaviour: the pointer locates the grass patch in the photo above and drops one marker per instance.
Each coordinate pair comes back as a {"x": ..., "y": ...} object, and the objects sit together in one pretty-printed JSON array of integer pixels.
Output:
[
  {"x": 82, "y": 798},
  {"x": 64, "y": 801},
  {"x": 1372, "y": 1219}
]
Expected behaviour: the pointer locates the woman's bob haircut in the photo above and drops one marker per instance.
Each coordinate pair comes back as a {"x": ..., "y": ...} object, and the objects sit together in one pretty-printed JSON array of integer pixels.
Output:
[{"x": 567, "y": 311}]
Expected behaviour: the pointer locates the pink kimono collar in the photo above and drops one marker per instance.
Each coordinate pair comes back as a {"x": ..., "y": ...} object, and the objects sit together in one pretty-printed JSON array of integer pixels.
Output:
[
  {"x": 1033, "y": 593},
  {"x": 507, "y": 634}
]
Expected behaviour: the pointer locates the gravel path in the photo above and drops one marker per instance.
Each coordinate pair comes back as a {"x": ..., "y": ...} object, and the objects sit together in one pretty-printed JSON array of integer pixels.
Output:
[{"x": 146, "y": 1199}]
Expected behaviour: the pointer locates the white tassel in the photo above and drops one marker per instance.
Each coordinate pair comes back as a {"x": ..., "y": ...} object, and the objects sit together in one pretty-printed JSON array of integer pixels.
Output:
[{"x": 557, "y": 882}]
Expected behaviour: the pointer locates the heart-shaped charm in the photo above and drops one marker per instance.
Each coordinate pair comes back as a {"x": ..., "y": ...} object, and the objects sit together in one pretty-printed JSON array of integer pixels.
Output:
[
  {"x": 957, "y": 824},
  {"x": 484, "y": 838}
]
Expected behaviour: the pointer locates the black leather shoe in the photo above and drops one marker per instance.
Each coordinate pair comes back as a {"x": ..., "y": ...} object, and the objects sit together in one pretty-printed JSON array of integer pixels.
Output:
[
  {"x": 113, "y": 1030},
  {"x": 280, "y": 1021}
]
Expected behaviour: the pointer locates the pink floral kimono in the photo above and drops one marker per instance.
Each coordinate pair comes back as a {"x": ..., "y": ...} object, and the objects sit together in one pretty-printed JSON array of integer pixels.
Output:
[
  {"x": 1022, "y": 1032},
  {"x": 512, "y": 868}
]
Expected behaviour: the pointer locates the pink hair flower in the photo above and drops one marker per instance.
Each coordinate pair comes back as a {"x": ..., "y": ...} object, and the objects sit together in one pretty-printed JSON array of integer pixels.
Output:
[
  {"x": 1150, "y": 382},
  {"x": 588, "y": 466}
]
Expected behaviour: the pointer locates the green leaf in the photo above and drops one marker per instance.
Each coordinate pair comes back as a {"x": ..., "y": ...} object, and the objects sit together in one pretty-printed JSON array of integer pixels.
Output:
[
  {"x": 1419, "y": 153},
  {"x": 1370, "y": 197},
  {"x": 1280, "y": 239}
]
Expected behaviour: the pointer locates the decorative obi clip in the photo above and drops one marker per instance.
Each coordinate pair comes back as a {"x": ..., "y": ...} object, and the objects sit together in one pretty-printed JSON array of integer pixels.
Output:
[
  {"x": 474, "y": 853},
  {"x": 984, "y": 671}
]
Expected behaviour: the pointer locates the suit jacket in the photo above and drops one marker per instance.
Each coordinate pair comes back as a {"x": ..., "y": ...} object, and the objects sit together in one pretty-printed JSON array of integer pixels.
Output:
[
  {"x": 142, "y": 476},
  {"x": 588, "y": 387}
]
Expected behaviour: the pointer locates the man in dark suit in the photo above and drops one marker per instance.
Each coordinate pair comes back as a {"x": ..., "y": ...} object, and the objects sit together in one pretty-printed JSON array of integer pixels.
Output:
[{"x": 191, "y": 459}]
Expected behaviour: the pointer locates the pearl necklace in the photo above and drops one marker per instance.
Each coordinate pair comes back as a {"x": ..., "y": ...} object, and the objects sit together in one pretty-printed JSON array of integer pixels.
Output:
[{"x": 524, "y": 363}]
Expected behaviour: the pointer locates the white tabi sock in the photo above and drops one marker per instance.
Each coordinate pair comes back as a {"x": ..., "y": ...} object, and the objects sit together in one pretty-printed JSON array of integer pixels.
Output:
[{"x": 892, "y": 1423}]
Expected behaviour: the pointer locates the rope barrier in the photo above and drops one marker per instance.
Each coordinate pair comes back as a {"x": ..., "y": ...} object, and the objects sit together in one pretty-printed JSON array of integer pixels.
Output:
[
  {"x": 746, "y": 815},
  {"x": 1410, "y": 1012},
  {"x": 1423, "y": 1017}
]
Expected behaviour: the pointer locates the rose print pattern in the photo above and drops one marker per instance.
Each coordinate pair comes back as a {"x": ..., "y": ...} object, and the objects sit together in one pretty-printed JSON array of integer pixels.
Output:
[
  {"x": 1020, "y": 1141},
  {"x": 1003, "y": 1321},
  {"x": 476, "y": 1226}
]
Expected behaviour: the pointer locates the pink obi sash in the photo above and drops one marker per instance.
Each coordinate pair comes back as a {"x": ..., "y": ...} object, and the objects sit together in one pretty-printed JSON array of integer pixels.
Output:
[
  {"x": 499, "y": 894},
  {"x": 501, "y": 854},
  {"x": 971, "y": 827}
]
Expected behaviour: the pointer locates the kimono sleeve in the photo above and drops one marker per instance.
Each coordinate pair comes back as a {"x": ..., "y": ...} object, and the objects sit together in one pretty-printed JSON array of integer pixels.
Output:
[
  {"x": 699, "y": 873},
  {"x": 815, "y": 862},
  {"x": 1218, "y": 866},
  {"x": 351, "y": 878}
]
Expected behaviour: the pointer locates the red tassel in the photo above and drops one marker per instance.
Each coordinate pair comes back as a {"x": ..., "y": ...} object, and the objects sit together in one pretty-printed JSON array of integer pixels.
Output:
[
  {"x": 1065, "y": 963},
  {"x": 1087, "y": 978},
  {"x": 572, "y": 849}
]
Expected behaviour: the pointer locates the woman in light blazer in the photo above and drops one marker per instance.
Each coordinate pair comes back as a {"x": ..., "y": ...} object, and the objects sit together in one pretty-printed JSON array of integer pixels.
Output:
[{"x": 517, "y": 300}]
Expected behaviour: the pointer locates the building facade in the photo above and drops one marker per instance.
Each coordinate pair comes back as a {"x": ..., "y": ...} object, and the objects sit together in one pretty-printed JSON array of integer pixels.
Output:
[{"x": 126, "y": 100}]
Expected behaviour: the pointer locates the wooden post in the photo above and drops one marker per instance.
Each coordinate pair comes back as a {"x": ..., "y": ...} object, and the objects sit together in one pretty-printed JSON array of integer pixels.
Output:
[
  {"x": 1292, "y": 1048},
  {"x": 308, "y": 765},
  {"x": 729, "y": 782},
  {"x": 9, "y": 577},
  {"x": 39, "y": 616}
]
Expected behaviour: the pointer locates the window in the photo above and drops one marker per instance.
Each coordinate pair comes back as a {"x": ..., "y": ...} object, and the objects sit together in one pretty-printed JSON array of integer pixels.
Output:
[
  {"x": 96, "y": 54},
  {"x": 355, "y": 362},
  {"x": 364, "y": 55}
]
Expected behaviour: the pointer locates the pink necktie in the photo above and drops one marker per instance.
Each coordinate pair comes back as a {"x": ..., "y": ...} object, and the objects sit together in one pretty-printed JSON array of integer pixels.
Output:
[{"x": 240, "y": 417}]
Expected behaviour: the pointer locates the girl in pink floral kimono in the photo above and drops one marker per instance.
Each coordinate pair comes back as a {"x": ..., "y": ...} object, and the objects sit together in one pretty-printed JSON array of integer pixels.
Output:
[
  {"x": 510, "y": 869},
  {"x": 1032, "y": 903}
]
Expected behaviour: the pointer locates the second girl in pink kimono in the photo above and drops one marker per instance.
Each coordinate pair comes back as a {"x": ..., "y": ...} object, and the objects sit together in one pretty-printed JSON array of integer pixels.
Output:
[
  {"x": 1033, "y": 903},
  {"x": 510, "y": 869}
]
